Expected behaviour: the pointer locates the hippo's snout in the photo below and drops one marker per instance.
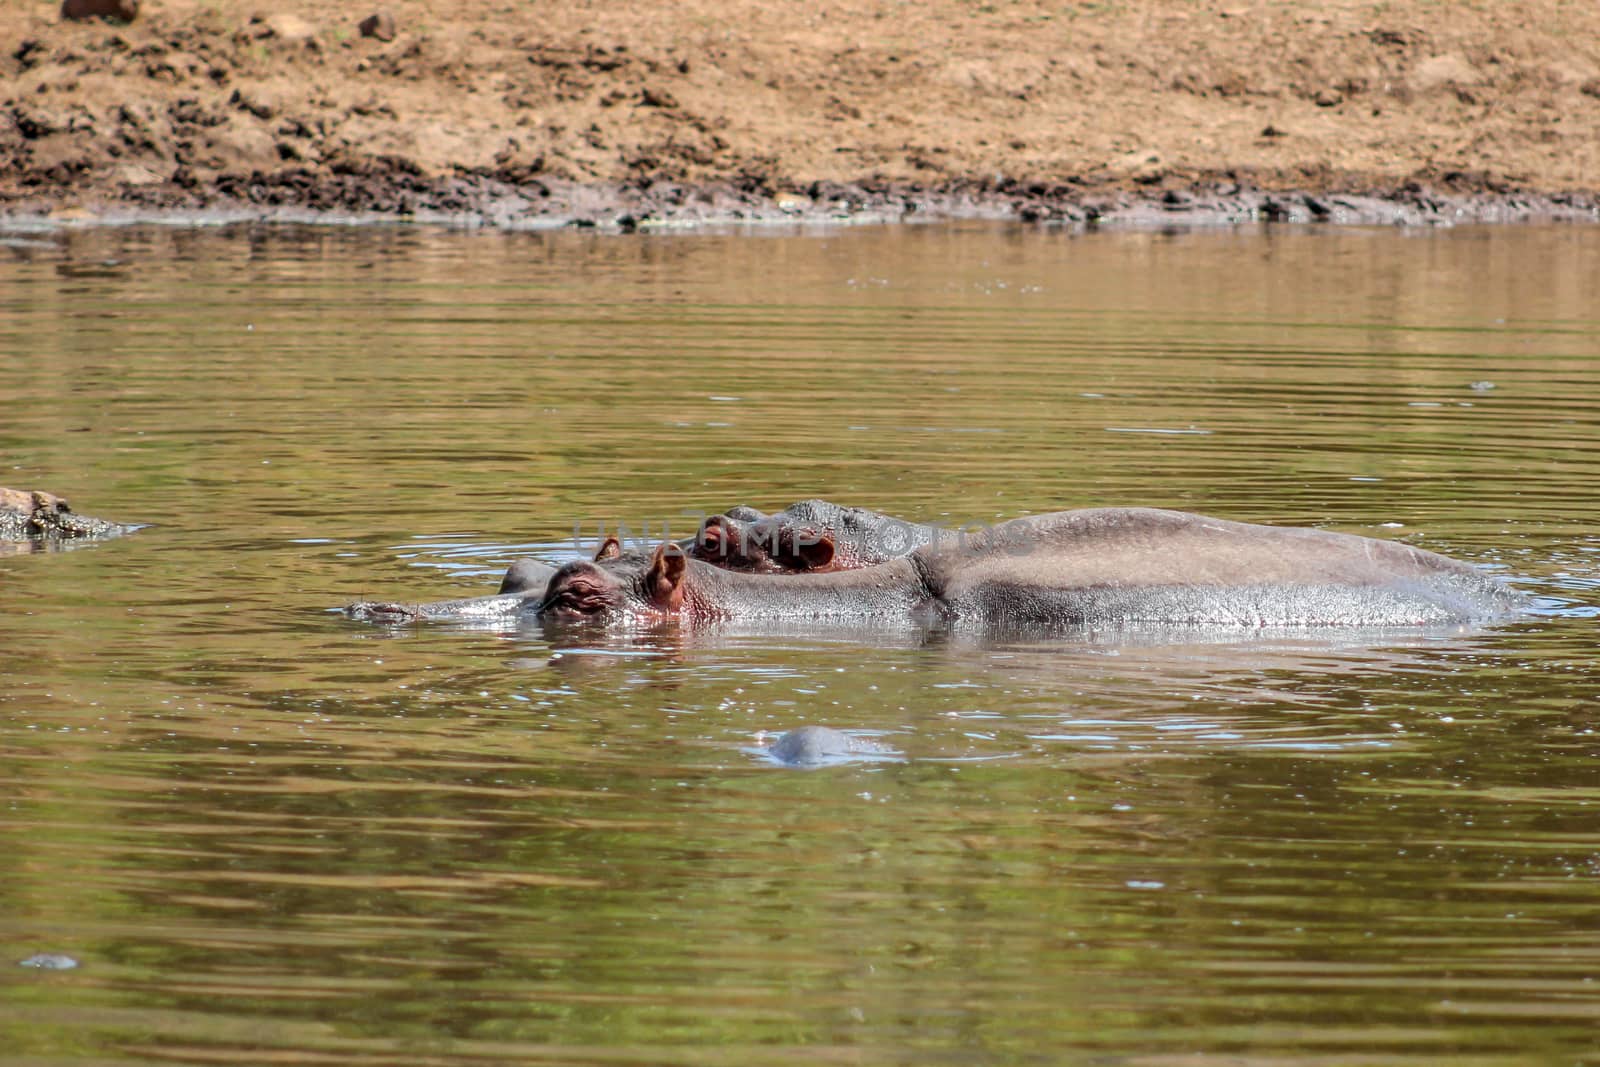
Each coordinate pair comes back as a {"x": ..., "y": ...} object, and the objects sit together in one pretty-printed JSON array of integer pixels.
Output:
[{"x": 382, "y": 612}]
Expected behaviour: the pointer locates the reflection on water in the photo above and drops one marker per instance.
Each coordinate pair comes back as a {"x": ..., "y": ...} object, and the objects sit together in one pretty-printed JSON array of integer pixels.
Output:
[{"x": 269, "y": 834}]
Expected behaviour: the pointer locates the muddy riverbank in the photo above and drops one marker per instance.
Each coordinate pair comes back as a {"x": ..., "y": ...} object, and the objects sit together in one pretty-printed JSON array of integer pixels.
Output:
[{"x": 1198, "y": 110}]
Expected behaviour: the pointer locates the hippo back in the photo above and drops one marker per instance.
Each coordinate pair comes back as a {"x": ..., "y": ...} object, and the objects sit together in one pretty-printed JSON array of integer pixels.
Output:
[{"x": 1107, "y": 566}]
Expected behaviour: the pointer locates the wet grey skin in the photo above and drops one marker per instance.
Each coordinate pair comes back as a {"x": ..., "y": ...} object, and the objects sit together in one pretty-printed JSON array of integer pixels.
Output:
[
  {"x": 526, "y": 576},
  {"x": 812, "y": 746},
  {"x": 860, "y": 537},
  {"x": 465, "y": 610},
  {"x": 1094, "y": 567},
  {"x": 809, "y": 535}
]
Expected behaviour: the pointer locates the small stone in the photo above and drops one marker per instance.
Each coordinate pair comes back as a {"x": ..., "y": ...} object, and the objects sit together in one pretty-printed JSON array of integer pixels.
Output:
[
  {"x": 1435, "y": 72},
  {"x": 379, "y": 25},
  {"x": 1273, "y": 131},
  {"x": 1144, "y": 165},
  {"x": 137, "y": 174},
  {"x": 122, "y": 10},
  {"x": 1328, "y": 98},
  {"x": 262, "y": 103},
  {"x": 290, "y": 29}
]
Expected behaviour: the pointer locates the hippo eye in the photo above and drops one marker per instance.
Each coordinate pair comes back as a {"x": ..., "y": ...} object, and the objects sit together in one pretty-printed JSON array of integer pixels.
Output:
[{"x": 579, "y": 598}]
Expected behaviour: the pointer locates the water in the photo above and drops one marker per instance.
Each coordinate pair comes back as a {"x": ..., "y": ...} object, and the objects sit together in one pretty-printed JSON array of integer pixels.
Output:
[{"x": 267, "y": 834}]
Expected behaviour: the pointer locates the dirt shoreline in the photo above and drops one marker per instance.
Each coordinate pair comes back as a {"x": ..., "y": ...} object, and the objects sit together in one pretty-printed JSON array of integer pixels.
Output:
[
  {"x": 1125, "y": 112},
  {"x": 477, "y": 201}
]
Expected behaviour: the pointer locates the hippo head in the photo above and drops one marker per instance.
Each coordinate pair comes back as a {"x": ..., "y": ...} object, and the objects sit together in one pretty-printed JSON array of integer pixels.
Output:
[
  {"x": 768, "y": 545},
  {"x": 616, "y": 585}
]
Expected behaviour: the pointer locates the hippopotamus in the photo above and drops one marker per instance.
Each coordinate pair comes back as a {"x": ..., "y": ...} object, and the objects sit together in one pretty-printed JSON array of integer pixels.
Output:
[
  {"x": 765, "y": 547},
  {"x": 809, "y": 536},
  {"x": 778, "y": 548},
  {"x": 1092, "y": 567}
]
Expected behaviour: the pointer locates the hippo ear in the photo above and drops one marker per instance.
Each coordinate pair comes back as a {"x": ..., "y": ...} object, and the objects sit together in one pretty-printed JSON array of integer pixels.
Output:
[
  {"x": 610, "y": 548},
  {"x": 663, "y": 582},
  {"x": 805, "y": 549}
]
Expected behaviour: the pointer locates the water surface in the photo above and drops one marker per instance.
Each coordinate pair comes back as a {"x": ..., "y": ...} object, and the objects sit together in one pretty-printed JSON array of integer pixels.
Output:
[{"x": 268, "y": 834}]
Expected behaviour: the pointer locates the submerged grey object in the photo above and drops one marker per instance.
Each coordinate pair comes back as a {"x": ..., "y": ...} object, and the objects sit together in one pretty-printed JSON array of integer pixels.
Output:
[
  {"x": 811, "y": 746},
  {"x": 49, "y": 961}
]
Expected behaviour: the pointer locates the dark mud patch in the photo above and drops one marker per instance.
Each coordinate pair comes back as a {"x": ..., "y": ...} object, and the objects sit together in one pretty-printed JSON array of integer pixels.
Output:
[{"x": 382, "y": 193}]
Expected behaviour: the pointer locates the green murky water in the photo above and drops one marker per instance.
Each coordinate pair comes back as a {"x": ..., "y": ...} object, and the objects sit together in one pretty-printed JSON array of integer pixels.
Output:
[{"x": 269, "y": 835}]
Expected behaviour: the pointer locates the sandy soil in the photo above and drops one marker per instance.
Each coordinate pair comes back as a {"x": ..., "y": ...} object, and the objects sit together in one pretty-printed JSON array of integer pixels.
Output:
[{"x": 600, "y": 112}]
